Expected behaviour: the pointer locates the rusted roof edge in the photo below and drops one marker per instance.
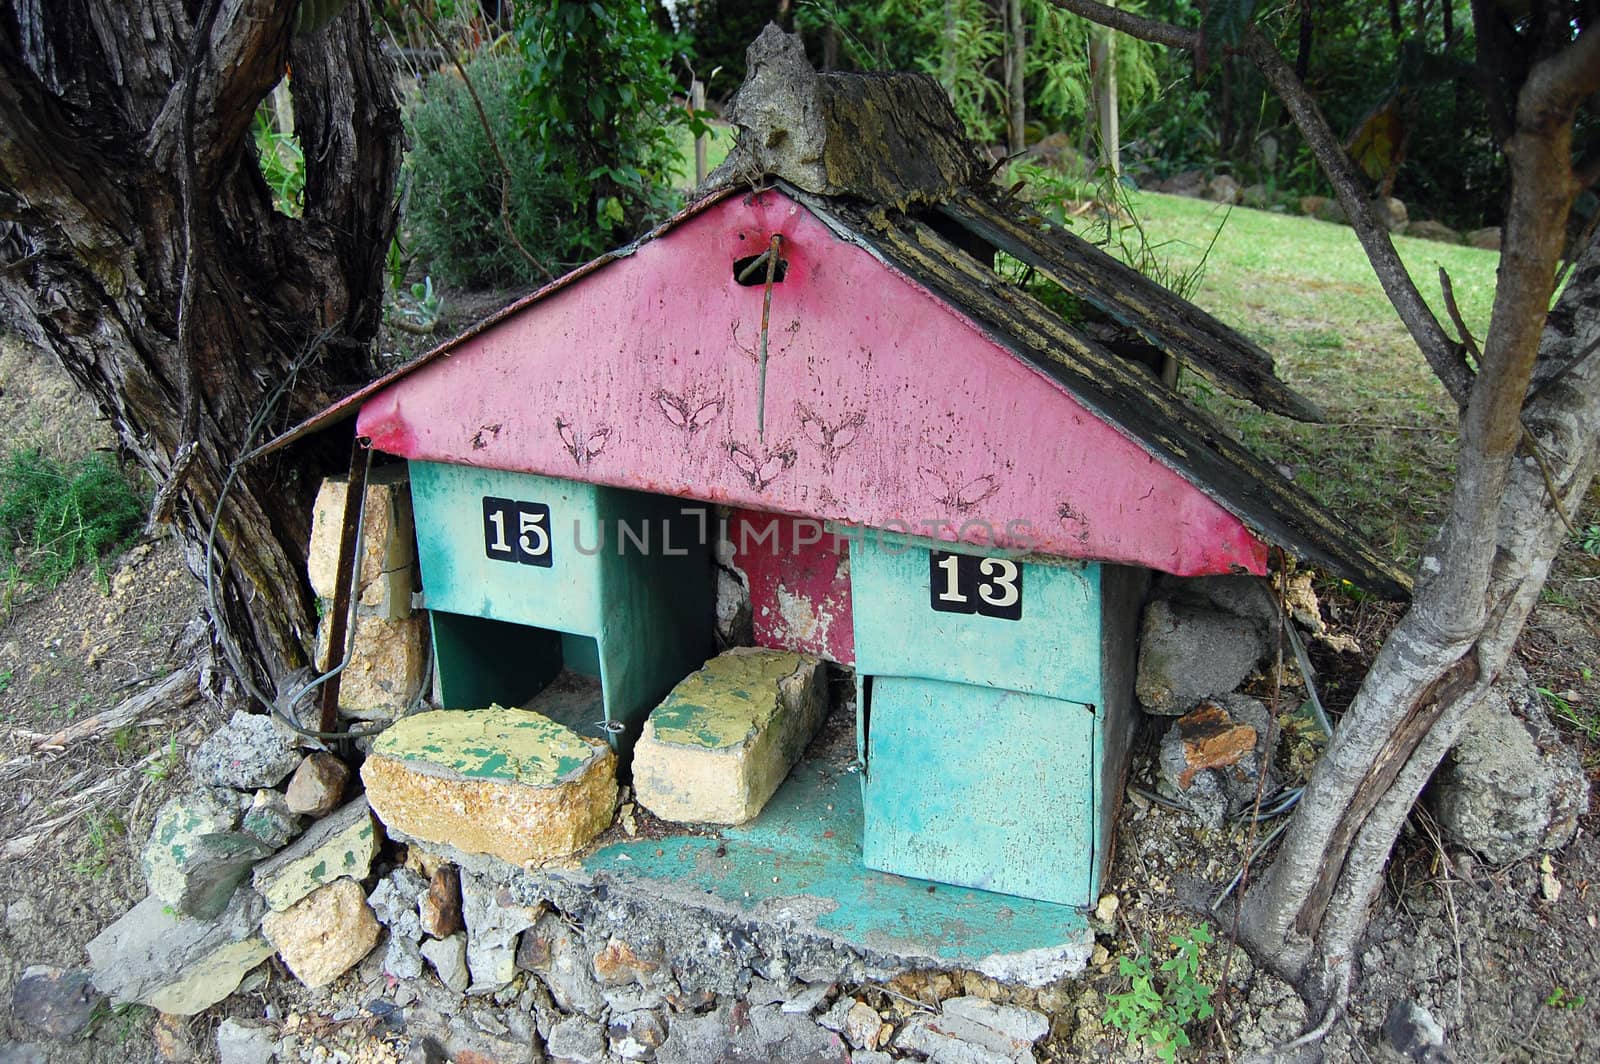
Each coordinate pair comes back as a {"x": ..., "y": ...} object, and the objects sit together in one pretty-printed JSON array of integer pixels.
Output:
[{"x": 350, "y": 404}]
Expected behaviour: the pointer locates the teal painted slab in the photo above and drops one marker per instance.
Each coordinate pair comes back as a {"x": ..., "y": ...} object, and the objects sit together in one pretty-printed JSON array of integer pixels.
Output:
[
  {"x": 1052, "y": 649},
  {"x": 800, "y": 859},
  {"x": 979, "y": 787},
  {"x": 622, "y": 579}
]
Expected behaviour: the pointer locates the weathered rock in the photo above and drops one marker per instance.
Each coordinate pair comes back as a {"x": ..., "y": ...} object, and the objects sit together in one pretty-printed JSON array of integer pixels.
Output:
[
  {"x": 493, "y": 922},
  {"x": 23, "y": 1053},
  {"x": 806, "y": 999},
  {"x": 885, "y": 138},
  {"x": 270, "y": 820},
  {"x": 723, "y": 739},
  {"x": 862, "y": 1025},
  {"x": 1487, "y": 239},
  {"x": 448, "y": 956},
  {"x": 1223, "y": 189},
  {"x": 1510, "y": 785},
  {"x": 1391, "y": 213},
  {"x": 576, "y": 1040},
  {"x": 336, "y": 846},
  {"x": 246, "y": 753},
  {"x": 185, "y": 817},
  {"x": 325, "y": 933},
  {"x": 388, "y": 551},
  {"x": 555, "y": 953},
  {"x": 213, "y": 866},
  {"x": 1414, "y": 1033},
  {"x": 1211, "y": 757},
  {"x": 317, "y": 785},
  {"x": 402, "y": 958},
  {"x": 174, "y": 964},
  {"x": 1332, "y": 210},
  {"x": 1187, "y": 654},
  {"x": 1190, "y": 183},
  {"x": 388, "y": 657},
  {"x": 1431, "y": 230},
  {"x": 617, "y": 964},
  {"x": 398, "y": 895},
  {"x": 1017, "y": 1026},
  {"x": 1257, "y": 196},
  {"x": 245, "y": 1043},
  {"x": 1311, "y": 206},
  {"x": 763, "y": 1033},
  {"x": 504, "y": 782},
  {"x": 57, "y": 1003},
  {"x": 636, "y": 1035},
  {"x": 440, "y": 907}
]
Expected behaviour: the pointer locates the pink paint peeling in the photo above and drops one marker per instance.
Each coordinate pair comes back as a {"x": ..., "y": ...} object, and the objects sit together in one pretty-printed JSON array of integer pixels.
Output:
[
  {"x": 884, "y": 407},
  {"x": 799, "y": 576}
]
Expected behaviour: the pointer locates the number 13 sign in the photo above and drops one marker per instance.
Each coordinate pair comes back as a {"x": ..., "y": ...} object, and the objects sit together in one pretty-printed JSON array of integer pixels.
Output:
[
  {"x": 961, "y": 583},
  {"x": 516, "y": 531}
]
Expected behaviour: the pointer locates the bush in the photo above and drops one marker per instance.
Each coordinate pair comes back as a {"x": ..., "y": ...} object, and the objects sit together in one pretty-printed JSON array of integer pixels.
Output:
[
  {"x": 453, "y": 201},
  {"x": 580, "y": 104},
  {"x": 61, "y": 517}
]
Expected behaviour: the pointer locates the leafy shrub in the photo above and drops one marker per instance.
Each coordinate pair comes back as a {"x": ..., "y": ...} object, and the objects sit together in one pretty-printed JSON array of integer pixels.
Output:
[
  {"x": 453, "y": 199},
  {"x": 580, "y": 107},
  {"x": 59, "y": 517},
  {"x": 1161, "y": 1001}
]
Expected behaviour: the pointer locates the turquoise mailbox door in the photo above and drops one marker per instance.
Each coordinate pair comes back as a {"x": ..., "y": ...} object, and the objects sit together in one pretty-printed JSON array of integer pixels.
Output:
[
  {"x": 994, "y": 714},
  {"x": 529, "y": 576}
]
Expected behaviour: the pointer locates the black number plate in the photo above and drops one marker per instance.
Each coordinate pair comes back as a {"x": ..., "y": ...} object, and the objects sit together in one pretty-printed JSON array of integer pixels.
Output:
[
  {"x": 517, "y": 531},
  {"x": 962, "y": 583}
]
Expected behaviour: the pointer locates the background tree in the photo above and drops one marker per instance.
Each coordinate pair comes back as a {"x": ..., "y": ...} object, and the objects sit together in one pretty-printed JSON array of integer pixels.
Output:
[
  {"x": 139, "y": 245},
  {"x": 1529, "y": 429}
]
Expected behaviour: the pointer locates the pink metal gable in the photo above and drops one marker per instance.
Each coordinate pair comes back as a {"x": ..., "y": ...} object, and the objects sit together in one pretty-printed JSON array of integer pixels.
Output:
[{"x": 881, "y": 406}]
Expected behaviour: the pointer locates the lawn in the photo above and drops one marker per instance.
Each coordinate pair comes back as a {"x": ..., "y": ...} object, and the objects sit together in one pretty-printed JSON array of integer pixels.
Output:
[{"x": 1304, "y": 291}]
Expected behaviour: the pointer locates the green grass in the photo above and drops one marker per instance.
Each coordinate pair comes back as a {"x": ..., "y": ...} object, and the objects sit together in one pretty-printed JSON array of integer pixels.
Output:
[
  {"x": 55, "y": 516},
  {"x": 718, "y": 143},
  {"x": 1304, "y": 291}
]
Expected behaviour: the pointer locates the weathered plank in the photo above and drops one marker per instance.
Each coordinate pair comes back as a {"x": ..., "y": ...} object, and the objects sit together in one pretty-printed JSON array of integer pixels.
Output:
[{"x": 1176, "y": 326}]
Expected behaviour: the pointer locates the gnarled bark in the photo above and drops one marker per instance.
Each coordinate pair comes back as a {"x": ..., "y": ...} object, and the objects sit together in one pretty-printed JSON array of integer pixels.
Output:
[{"x": 106, "y": 108}]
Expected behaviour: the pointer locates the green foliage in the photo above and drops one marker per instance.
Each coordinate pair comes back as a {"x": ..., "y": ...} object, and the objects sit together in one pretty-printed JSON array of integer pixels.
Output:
[
  {"x": 283, "y": 164},
  {"x": 595, "y": 100},
  {"x": 1562, "y": 998},
  {"x": 1161, "y": 1001},
  {"x": 580, "y": 108},
  {"x": 54, "y": 518},
  {"x": 103, "y": 828}
]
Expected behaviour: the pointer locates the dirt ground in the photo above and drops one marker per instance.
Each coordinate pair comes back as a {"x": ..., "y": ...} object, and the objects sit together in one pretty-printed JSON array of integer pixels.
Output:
[{"x": 1512, "y": 972}]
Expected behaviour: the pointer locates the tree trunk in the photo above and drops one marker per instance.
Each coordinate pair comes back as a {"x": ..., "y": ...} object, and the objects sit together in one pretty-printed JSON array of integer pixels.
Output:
[
  {"x": 1103, "y": 75},
  {"x": 1480, "y": 577},
  {"x": 1016, "y": 75},
  {"x": 108, "y": 111}
]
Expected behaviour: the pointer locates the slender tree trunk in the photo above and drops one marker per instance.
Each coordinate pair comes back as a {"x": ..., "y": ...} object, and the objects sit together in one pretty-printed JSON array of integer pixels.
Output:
[
  {"x": 107, "y": 110},
  {"x": 947, "y": 47},
  {"x": 1478, "y": 580},
  {"x": 1103, "y": 74},
  {"x": 1016, "y": 75}
]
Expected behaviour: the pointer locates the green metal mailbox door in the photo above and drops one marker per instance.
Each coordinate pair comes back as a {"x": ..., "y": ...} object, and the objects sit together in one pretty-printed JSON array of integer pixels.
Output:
[
  {"x": 980, "y": 787},
  {"x": 928, "y": 612}
]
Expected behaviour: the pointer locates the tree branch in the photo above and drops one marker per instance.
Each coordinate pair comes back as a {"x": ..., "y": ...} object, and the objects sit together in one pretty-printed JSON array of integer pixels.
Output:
[
  {"x": 1444, "y": 356},
  {"x": 1146, "y": 29}
]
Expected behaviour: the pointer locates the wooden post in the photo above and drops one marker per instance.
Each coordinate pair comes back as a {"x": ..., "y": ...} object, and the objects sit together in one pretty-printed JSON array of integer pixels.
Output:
[
  {"x": 1016, "y": 75},
  {"x": 1103, "y": 72},
  {"x": 697, "y": 103}
]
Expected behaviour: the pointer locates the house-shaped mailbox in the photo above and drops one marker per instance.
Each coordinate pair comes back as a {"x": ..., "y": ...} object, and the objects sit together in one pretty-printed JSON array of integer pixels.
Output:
[{"x": 920, "y": 470}]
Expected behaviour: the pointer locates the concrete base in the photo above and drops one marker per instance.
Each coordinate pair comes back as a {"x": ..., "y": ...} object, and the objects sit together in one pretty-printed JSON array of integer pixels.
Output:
[{"x": 787, "y": 894}]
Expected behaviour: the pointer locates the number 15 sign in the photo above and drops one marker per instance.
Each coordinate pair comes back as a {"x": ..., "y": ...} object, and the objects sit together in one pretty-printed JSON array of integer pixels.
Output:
[
  {"x": 516, "y": 531},
  {"x": 962, "y": 583}
]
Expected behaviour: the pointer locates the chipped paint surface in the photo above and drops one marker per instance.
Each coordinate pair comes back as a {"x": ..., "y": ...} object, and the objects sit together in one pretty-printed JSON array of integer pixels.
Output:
[
  {"x": 721, "y": 705},
  {"x": 883, "y": 406},
  {"x": 799, "y": 579},
  {"x": 507, "y": 745},
  {"x": 800, "y": 861}
]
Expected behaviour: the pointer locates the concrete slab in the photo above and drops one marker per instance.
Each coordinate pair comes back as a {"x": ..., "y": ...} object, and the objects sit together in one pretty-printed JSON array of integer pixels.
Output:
[{"x": 792, "y": 881}]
